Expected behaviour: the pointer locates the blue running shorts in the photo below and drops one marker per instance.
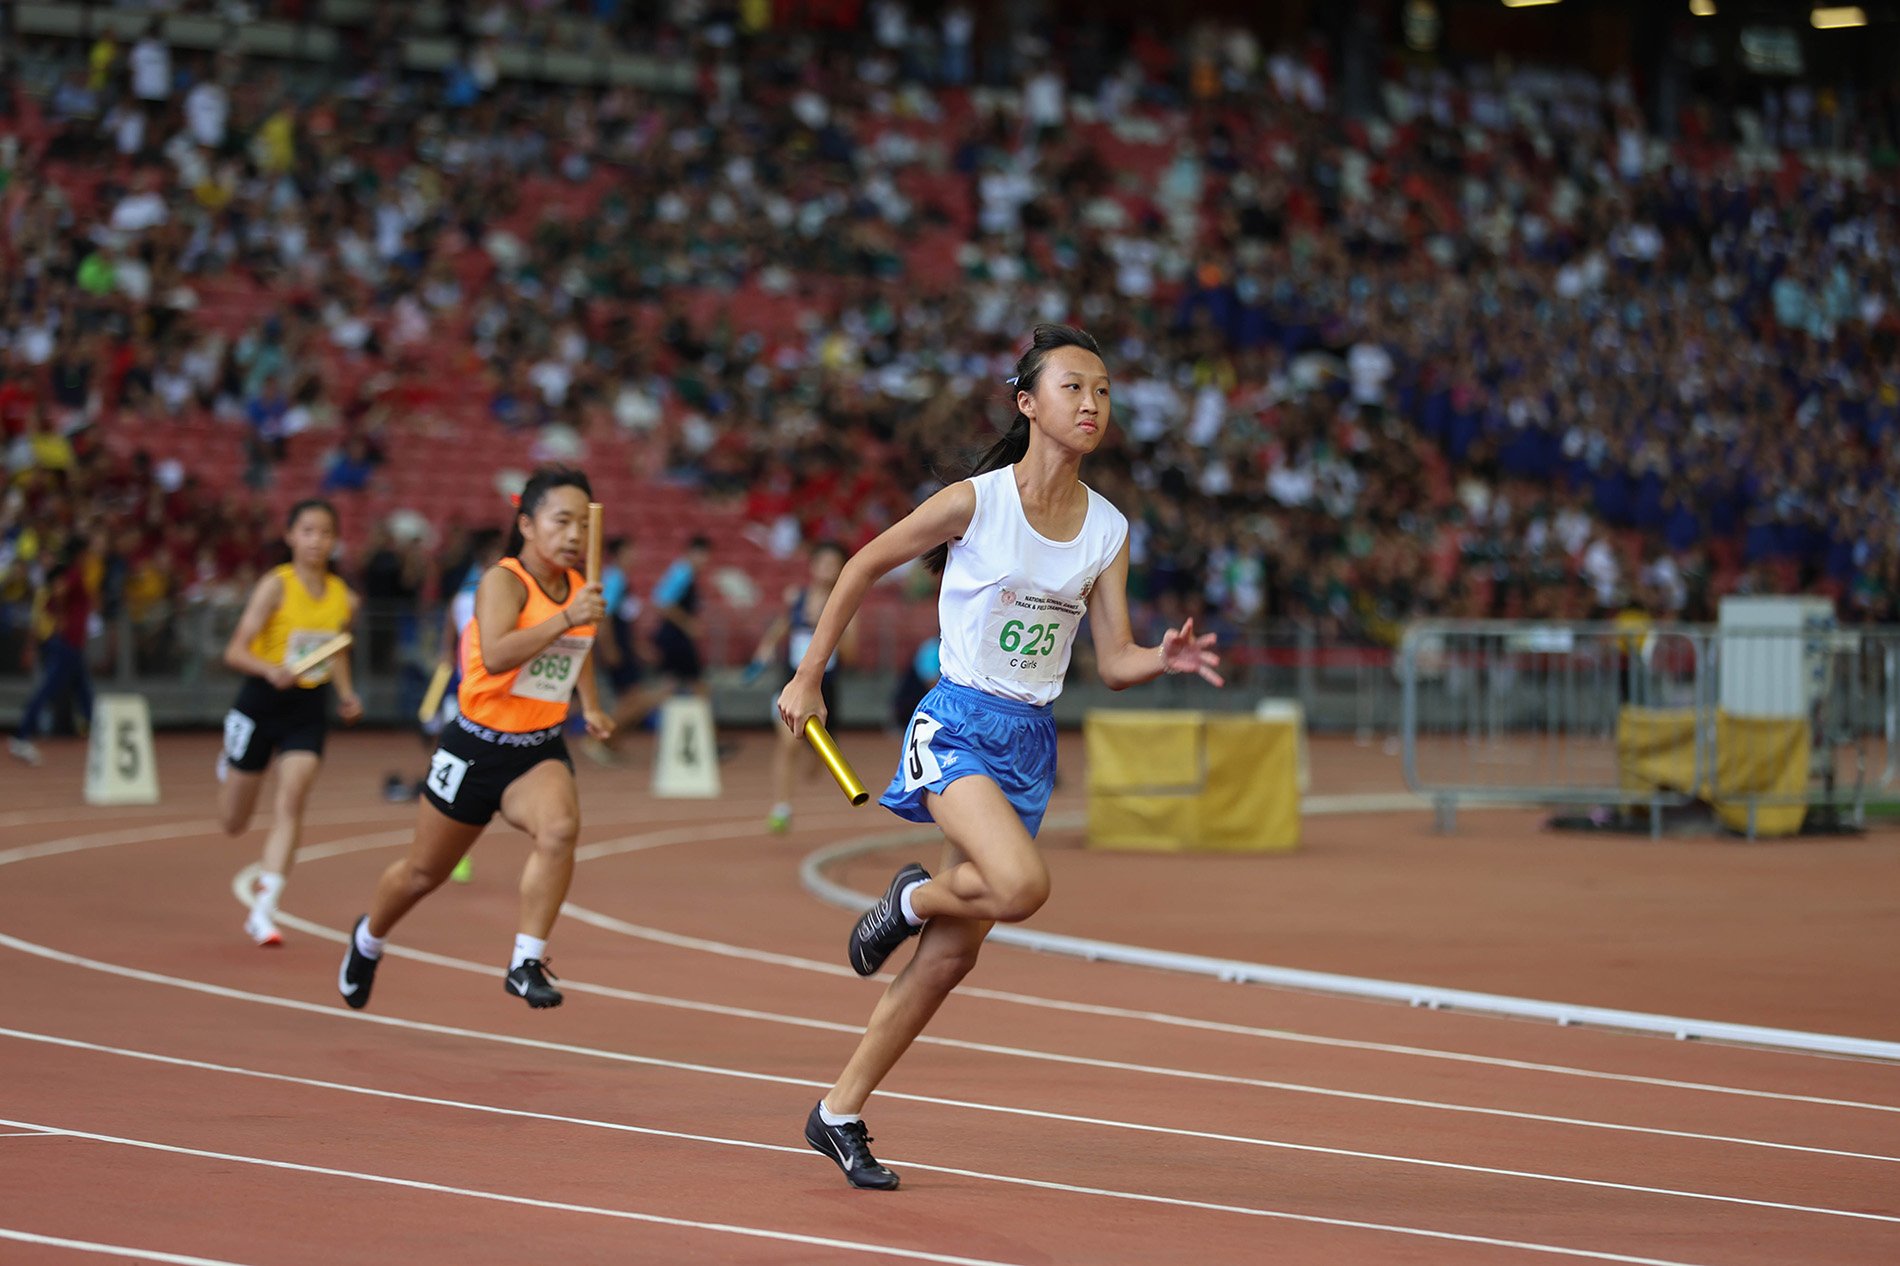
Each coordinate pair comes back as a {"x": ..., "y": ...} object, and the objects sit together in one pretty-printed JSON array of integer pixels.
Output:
[{"x": 956, "y": 732}]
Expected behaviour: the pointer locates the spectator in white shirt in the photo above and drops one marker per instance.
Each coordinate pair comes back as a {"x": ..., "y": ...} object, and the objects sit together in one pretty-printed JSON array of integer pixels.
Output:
[
  {"x": 207, "y": 113},
  {"x": 1369, "y": 366},
  {"x": 144, "y": 208},
  {"x": 1045, "y": 103},
  {"x": 151, "y": 67}
]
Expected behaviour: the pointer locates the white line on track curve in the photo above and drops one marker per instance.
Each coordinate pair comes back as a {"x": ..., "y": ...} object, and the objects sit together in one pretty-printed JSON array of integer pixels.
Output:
[{"x": 819, "y": 1241}]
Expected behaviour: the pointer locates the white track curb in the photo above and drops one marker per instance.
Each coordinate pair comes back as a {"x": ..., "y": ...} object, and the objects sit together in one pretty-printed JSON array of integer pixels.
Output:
[{"x": 811, "y": 874}]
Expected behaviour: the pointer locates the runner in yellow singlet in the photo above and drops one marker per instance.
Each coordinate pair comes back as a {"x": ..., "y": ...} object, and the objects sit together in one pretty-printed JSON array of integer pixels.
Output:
[{"x": 293, "y": 610}]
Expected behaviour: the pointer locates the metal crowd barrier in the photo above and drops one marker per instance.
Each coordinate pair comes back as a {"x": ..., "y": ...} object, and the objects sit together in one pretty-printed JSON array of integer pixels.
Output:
[{"x": 1585, "y": 714}]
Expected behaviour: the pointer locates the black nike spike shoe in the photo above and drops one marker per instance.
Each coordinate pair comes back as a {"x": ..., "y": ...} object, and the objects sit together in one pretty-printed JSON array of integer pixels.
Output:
[
  {"x": 358, "y": 972},
  {"x": 530, "y": 982},
  {"x": 850, "y": 1147},
  {"x": 881, "y": 929}
]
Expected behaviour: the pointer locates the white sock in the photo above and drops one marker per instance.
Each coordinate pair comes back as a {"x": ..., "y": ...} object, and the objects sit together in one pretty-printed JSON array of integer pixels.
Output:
[
  {"x": 527, "y": 947},
  {"x": 783, "y": 809},
  {"x": 835, "y": 1118},
  {"x": 269, "y": 888},
  {"x": 903, "y": 901},
  {"x": 366, "y": 945}
]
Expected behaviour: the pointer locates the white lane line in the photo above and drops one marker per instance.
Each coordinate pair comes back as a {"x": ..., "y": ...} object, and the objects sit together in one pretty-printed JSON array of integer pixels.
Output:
[
  {"x": 738, "y": 1074},
  {"x": 169, "y": 831},
  {"x": 1281, "y": 1215},
  {"x": 151, "y": 831},
  {"x": 720, "y": 829},
  {"x": 111, "y": 1250},
  {"x": 615, "y": 1126},
  {"x": 340, "y": 937},
  {"x": 342, "y": 848},
  {"x": 715, "y": 830},
  {"x": 811, "y": 873},
  {"x": 609, "y": 923},
  {"x": 641, "y": 842},
  {"x": 234, "y": 1070},
  {"x": 92, "y": 812},
  {"x": 558, "y": 1206},
  {"x": 586, "y": 852},
  {"x": 25, "y": 1134}
]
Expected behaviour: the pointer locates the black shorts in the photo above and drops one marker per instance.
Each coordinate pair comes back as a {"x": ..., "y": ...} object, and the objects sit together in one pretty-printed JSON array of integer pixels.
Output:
[
  {"x": 628, "y": 672},
  {"x": 679, "y": 658},
  {"x": 473, "y": 766},
  {"x": 266, "y": 720}
]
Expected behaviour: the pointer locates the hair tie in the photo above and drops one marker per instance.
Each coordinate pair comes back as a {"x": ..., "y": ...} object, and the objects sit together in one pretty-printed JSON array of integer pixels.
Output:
[{"x": 514, "y": 499}]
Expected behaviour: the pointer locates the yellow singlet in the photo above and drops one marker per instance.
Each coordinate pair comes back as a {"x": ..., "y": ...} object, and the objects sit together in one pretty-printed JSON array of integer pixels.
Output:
[{"x": 302, "y": 623}]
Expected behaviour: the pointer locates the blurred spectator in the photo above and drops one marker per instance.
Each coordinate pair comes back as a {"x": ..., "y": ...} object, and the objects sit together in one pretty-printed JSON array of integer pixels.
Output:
[
  {"x": 1491, "y": 350},
  {"x": 150, "y": 66},
  {"x": 62, "y": 616},
  {"x": 350, "y": 467}
]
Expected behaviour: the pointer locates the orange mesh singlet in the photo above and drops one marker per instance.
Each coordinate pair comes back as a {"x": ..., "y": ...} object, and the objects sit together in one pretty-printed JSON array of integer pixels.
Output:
[{"x": 535, "y": 695}]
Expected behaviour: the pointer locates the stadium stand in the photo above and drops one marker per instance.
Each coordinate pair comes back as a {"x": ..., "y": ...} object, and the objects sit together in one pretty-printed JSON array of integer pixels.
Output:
[{"x": 1501, "y": 347}]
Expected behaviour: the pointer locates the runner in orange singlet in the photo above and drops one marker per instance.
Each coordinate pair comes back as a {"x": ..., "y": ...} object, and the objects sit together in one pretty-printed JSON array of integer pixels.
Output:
[{"x": 529, "y": 647}]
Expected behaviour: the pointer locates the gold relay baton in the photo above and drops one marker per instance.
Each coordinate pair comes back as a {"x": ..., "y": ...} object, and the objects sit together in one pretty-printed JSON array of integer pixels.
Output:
[{"x": 840, "y": 768}]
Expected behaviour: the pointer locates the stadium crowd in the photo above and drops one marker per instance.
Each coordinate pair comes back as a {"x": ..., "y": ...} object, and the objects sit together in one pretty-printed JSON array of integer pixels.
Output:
[{"x": 1495, "y": 351}]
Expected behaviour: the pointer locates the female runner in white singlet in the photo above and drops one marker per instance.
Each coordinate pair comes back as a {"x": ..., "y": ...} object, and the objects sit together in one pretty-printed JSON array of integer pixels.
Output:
[{"x": 1026, "y": 550}]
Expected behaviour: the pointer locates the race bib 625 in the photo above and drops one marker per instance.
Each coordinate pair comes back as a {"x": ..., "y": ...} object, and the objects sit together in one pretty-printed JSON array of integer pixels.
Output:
[{"x": 1026, "y": 636}]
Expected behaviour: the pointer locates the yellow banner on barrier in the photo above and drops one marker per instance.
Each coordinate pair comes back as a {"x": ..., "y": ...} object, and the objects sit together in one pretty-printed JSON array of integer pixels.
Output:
[
  {"x": 1177, "y": 781},
  {"x": 1759, "y": 756}
]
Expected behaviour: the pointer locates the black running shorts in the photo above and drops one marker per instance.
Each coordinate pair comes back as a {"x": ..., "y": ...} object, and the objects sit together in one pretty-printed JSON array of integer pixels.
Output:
[
  {"x": 266, "y": 720},
  {"x": 628, "y": 672},
  {"x": 679, "y": 657},
  {"x": 474, "y": 765}
]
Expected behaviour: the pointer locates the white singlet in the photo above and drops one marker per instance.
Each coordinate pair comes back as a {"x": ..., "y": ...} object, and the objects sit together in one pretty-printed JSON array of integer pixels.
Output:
[
  {"x": 1012, "y": 599},
  {"x": 462, "y": 609}
]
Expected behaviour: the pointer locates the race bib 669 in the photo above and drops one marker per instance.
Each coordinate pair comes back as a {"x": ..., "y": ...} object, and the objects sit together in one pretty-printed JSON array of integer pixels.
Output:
[{"x": 552, "y": 675}]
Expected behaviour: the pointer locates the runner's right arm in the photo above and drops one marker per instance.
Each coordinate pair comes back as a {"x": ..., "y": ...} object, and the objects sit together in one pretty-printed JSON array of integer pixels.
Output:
[{"x": 265, "y": 598}]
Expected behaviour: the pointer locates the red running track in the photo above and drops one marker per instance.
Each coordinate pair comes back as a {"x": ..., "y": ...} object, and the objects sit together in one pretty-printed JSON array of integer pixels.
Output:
[{"x": 172, "y": 1092}]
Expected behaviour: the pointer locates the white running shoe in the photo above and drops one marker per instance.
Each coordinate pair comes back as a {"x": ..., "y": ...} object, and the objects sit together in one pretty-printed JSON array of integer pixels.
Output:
[
  {"x": 24, "y": 749},
  {"x": 262, "y": 929}
]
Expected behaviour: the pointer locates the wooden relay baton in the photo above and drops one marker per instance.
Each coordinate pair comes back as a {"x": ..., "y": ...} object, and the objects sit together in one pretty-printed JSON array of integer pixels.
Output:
[
  {"x": 336, "y": 645},
  {"x": 594, "y": 514}
]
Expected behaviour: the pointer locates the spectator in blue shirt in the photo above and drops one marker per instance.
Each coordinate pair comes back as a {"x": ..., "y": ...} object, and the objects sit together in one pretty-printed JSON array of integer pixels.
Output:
[
  {"x": 350, "y": 467},
  {"x": 675, "y": 643},
  {"x": 617, "y": 647},
  {"x": 676, "y": 598}
]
